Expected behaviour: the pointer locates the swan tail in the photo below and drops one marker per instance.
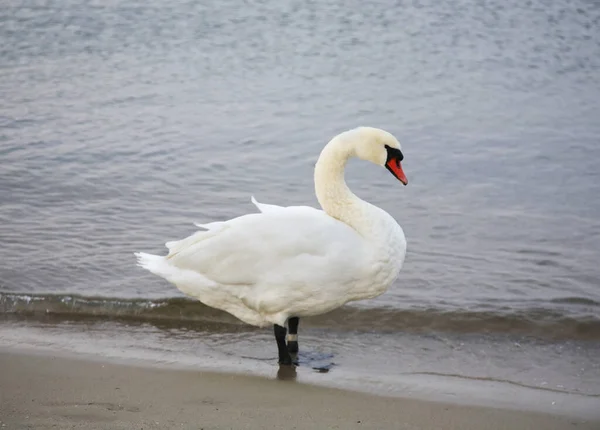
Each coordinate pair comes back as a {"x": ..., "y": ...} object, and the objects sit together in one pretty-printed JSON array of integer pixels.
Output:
[
  {"x": 155, "y": 264},
  {"x": 161, "y": 266}
]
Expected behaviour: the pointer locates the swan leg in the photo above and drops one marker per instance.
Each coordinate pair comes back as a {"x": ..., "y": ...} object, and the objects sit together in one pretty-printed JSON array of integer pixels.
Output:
[
  {"x": 284, "y": 354},
  {"x": 292, "y": 338}
]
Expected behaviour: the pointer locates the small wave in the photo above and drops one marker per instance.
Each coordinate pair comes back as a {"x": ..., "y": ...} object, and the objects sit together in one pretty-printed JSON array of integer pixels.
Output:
[
  {"x": 575, "y": 301},
  {"x": 180, "y": 309},
  {"x": 544, "y": 323}
]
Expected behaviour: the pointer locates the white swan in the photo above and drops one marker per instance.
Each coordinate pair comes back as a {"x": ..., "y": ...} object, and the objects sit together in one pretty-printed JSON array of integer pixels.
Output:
[{"x": 290, "y": 262}]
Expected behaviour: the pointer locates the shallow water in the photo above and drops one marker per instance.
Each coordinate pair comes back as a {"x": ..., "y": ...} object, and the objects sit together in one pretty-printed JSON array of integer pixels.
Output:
[
  {"x": 500, "y": 371},
  {"x": 121, "y": 123}
]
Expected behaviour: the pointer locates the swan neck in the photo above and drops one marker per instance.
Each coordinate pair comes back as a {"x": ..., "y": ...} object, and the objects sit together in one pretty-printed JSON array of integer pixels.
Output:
[{"x": 334, "y": 196}]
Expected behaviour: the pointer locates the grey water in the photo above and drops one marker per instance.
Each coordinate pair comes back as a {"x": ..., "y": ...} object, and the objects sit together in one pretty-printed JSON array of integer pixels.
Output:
[{"x": 123, "y": 122}]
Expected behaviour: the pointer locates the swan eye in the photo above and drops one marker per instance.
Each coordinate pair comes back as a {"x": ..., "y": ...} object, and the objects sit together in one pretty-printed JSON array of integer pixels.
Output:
[{"x": 394, "y": 153}]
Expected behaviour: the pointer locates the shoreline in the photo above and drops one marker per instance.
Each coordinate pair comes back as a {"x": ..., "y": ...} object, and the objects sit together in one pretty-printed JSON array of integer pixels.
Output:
[
  {"x": 41, "y": 390},
  {"x": 492, "y": 372}
]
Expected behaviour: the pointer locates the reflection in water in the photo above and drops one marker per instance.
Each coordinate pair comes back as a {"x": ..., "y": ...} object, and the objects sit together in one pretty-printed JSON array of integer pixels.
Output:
[{"x": 287, "y": 373}]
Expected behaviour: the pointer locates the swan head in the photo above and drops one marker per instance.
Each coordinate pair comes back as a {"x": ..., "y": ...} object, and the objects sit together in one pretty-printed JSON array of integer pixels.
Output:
[{"x": 379, "y": 147}]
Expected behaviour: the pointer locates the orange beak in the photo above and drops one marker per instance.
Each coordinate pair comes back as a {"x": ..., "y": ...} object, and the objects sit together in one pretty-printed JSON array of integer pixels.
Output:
[{"x": 394, "y": 166}]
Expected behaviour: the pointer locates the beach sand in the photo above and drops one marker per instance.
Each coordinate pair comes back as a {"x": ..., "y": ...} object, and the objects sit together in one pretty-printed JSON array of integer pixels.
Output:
[{"x": 39, "y": 392}]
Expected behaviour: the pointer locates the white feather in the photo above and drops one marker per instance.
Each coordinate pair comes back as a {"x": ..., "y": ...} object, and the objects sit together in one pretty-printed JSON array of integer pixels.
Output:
[{"x": 263, "y": 207}]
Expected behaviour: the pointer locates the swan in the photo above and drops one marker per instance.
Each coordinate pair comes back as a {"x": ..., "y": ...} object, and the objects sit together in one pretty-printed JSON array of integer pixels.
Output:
[{"x": 283, "y": 263}]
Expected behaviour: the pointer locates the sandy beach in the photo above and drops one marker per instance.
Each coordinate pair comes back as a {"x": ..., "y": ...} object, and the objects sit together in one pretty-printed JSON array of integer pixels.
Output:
[{"x": 38, "y": 392}]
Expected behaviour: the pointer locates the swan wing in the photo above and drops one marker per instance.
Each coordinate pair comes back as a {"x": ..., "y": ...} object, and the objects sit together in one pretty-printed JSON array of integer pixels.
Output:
[
  {"x": 281, "y": 246},
  {"x": 264, "y": 207}
]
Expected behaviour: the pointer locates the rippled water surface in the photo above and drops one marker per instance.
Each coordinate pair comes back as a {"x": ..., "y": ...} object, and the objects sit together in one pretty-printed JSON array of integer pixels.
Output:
[{"x": 124, "y": 122}]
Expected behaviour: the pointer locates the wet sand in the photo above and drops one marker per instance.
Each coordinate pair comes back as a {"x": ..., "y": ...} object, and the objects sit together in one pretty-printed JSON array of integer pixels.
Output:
[{"x": 41, "y": 392}]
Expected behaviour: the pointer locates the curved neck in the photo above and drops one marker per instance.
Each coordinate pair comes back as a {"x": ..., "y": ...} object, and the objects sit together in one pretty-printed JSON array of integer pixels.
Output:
[{"x": 333, "y": 194}]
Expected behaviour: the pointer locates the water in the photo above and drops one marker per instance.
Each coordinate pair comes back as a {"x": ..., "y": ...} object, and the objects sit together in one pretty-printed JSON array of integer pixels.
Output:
[{"x": 121, "y": 123}]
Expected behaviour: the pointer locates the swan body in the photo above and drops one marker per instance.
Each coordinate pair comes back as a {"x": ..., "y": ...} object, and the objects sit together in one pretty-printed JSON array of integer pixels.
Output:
[{"x": 296, "y": 261}]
